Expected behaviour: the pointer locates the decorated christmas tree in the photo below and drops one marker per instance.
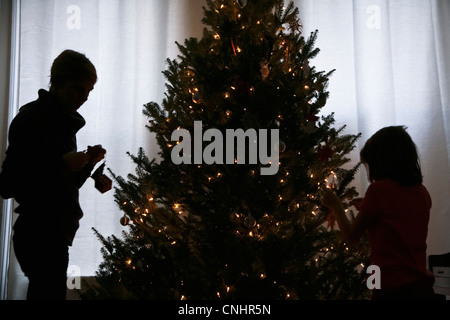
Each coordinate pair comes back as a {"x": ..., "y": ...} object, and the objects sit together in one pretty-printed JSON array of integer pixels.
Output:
[{"x": 211, "y": 219}]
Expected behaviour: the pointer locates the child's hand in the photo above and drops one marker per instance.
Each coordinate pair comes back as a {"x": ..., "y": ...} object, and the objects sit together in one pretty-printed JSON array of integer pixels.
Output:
[
  {"x": 357, "y": 203},
  {"x": 330, "y": 200},
  {"x": 95, "y": 154}
]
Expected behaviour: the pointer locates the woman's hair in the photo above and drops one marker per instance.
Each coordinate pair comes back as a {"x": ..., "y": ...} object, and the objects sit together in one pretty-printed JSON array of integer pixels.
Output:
[
  {"x": 71, "y": 65},
  {"x": 391, "y": 154}
]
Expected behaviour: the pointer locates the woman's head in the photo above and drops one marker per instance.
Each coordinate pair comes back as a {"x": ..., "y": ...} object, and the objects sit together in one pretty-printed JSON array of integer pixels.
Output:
[
  {"x": 72, "y": 77},
  {"x": 391, "y": 154}
]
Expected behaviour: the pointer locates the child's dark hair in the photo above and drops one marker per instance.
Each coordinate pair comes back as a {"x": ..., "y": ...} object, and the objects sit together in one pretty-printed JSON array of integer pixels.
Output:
[
  {"x": 391, "y": 154},
  {"x": 71, "y": 65}
]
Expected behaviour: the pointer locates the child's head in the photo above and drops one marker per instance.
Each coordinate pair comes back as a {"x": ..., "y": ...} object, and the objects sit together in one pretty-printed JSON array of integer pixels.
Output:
[
  {"x": 71, "y": 65},
  {"x": 72, "y": 79},
  {"x": 391, "y": 154}
]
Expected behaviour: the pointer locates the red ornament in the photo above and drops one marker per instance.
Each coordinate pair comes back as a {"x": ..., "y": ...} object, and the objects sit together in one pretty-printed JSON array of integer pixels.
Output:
[
  {"x": 102, "y": 182},
  {"x": 325, "y": 153},
  {"x": 312, "y": 118}
]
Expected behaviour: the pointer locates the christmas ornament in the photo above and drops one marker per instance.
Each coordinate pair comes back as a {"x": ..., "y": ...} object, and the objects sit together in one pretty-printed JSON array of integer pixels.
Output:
[
  {"x": 264, "y": 70},
  {"x": 281, "y": 146},
  {"x": 196, "y": 98},
  {"x": 249, "y": 222},
  {"x": 306, "y": 70},
  {"x": 124, "y": 220},
  {"x": 242, "y": 3},
  {"x": 233, "y": 45},
  {"x": 102, "y": 182},
  {"x": 310, "y": 126},
  {"x": 294, "y": 25},
  {"x": 311, "y": 118},
  {"x": 325, "y": 153},
  {"x": 286, "y": 57}
]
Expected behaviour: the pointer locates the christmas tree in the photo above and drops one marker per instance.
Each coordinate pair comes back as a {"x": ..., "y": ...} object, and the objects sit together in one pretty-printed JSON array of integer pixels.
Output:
[{"x": 200, "y": 226}]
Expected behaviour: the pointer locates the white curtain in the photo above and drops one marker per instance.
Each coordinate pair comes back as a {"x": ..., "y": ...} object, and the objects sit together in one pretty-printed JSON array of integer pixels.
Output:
[
  {"x": 128, "y": 42},
  {"x": 392, "y": 68}
]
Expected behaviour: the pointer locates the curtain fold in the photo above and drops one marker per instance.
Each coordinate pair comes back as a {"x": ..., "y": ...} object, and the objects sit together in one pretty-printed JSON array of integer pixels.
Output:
[
  {"x": 5, "y": 52},
  {"x": 392, "y": 68}
]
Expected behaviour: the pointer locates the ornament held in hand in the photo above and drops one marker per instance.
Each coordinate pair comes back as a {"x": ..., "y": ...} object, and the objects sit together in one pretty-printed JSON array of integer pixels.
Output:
[{"x": 102, "y": 182}]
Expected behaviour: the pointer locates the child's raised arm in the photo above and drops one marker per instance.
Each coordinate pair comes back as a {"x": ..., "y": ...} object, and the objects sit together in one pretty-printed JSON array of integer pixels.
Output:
[{"x": 352, "y": 231}]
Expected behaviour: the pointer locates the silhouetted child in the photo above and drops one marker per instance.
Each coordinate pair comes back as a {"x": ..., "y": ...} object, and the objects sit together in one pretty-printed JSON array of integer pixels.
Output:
[
  {"x": 43, "y": 171},
  {"x": 395, "y": 211}
]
